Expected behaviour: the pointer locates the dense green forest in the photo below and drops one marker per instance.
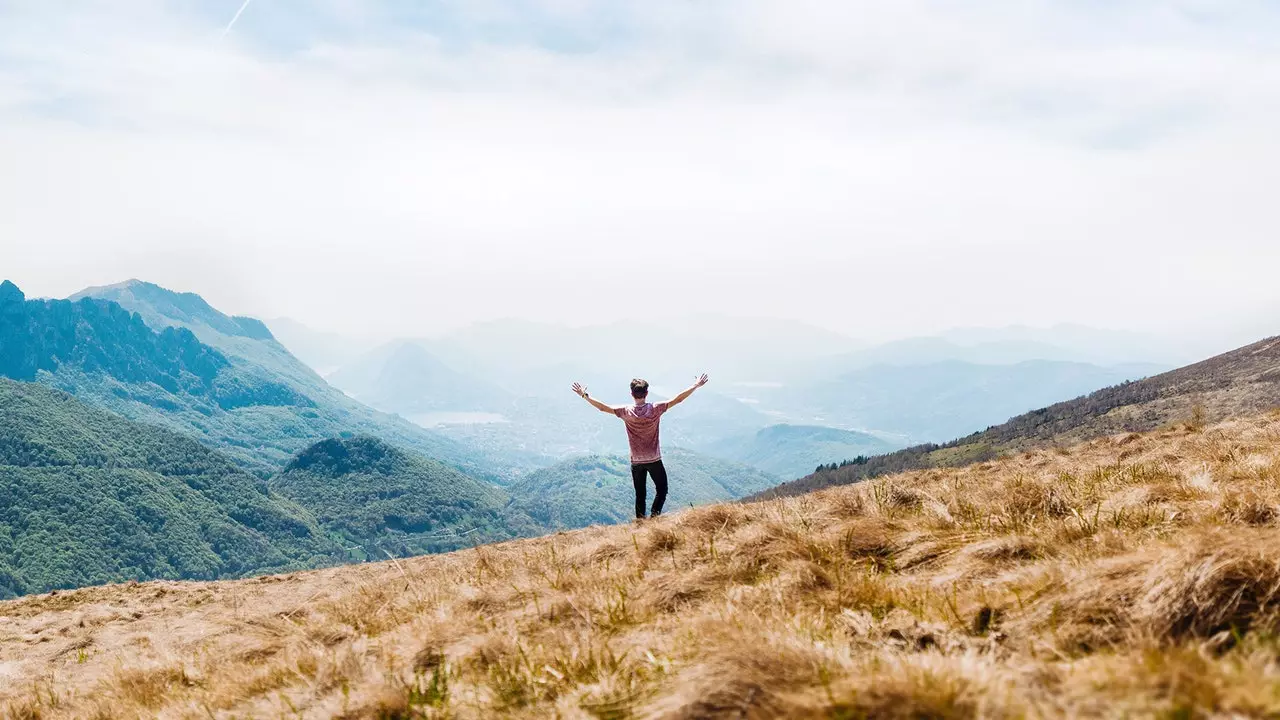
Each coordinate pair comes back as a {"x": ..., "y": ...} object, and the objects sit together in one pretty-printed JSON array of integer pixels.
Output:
[
  {"x": 87, "y": 497},
  {"x": 597, "y": 488},
  {"x": 221, "y": 379},
  {"x": 384, "y": 499}
]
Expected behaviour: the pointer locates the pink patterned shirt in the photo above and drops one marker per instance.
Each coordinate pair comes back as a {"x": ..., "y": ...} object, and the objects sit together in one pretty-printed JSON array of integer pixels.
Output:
[{"x": 642, "y": 430}]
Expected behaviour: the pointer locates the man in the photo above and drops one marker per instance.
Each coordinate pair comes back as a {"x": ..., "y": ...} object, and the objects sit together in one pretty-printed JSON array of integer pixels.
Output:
[{"x": 642, "y": 434}]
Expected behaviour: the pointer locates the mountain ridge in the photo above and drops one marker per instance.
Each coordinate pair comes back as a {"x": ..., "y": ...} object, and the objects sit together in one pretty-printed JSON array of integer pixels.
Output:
[
  {"x": 174, "y": 308},
  {"x": 262, "y": 436}
]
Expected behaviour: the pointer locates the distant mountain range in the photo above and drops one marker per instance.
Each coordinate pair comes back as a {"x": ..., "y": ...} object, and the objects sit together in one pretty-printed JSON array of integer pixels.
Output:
[
  {"x": 322, "y": 351},
  {"x": 1239, "y": 383},
  {"x": 941, "y": 400},
  {"x": 501, "y": 386},
  {"x": 664, "y": 352},
  {"x": 791, "y": 451},
  {"x": 741, "y": 350},
  {"x": 405, "y": 378},
  {"x": 1071, "y": 342},
  {"x": 544, "y": 420}
]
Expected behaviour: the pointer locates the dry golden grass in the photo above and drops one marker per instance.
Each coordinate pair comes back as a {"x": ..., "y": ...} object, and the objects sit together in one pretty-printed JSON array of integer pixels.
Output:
[{"x": 1134, "y": 576}]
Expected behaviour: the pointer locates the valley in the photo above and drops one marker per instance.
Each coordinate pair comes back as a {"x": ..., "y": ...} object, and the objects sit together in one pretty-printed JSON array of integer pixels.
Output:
[{"x": 501, "y": 386}]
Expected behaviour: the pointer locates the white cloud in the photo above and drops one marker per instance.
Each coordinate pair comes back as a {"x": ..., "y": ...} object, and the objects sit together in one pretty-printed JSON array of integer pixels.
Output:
[{"x": 882, "y": 168}]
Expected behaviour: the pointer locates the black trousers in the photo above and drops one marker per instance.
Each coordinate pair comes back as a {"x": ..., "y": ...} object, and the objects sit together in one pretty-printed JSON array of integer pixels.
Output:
[{"x": 659, "y": 473}]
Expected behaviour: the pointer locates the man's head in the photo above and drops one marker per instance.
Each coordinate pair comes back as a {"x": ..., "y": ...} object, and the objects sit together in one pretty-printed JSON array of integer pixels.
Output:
[{"x": 639, "y": 389}]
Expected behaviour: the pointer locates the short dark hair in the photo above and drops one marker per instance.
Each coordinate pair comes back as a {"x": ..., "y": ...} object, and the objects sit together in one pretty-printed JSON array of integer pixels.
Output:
[{"x": 639, "y": 388}]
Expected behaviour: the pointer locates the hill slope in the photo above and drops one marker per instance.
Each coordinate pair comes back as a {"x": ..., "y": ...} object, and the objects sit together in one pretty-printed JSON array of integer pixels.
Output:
[
  {"x": 1240, "y": 382},
  {"x": 598, "y": 489},
  {"x": 369, "y": 493},
  {"x": 180, "y": 364},
  {"x": 795, "y": 450},
  {"x": 1136, "y": 576},
  {"x": 87, "y": 497}
]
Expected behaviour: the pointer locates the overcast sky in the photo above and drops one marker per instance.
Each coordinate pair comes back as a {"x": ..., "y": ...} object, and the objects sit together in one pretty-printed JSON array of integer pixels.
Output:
[{"x": 880, "y": 168}]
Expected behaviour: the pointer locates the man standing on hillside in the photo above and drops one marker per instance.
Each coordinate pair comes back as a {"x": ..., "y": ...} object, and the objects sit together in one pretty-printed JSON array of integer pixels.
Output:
[{"x": 642, "y": 433}]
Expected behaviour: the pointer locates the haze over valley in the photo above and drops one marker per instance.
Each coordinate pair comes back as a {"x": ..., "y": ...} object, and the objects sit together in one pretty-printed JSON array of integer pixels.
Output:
[{"x": 502, "y": 385}]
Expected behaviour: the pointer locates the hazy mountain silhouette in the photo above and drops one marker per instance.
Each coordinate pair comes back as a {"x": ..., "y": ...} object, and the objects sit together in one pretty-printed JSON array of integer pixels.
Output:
[
  {"x": 322, "y": 351},
  {"x": 791, "y": 451},
  {"x": 945, "y": 399},
  {"x": 404, "y": 377}
]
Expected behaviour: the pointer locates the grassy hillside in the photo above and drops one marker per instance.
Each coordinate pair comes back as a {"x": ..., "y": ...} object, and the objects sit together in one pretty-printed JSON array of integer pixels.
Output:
[
  {"x": 598, "y": 488},
  {"x": 388, "y": 501},
  {"x": 169, "y": 359},
  {"x": 1134, "y": 576},
  {"x": 87, "y": 497},
  {"x": 1240, "y": 382},
  {"x": 791, "y": 451}
]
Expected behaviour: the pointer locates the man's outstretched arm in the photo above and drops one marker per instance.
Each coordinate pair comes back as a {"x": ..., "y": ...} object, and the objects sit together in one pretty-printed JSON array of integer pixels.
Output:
[
  {"x": 582, "y": 393},
  {"x": 702, "y": 380}
]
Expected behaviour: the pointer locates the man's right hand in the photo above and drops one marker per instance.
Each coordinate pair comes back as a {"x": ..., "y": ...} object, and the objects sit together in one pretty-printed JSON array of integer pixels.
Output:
[{"x": 580, "y": 390}]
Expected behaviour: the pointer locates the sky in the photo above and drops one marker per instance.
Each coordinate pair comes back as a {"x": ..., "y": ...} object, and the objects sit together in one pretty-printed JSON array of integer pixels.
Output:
[{"x": 883, "y": 169}]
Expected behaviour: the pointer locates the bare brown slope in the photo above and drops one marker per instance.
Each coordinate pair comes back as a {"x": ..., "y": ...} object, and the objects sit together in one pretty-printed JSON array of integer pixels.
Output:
[
  {"x": 1236, "y": 384},
  {"x": 1133, "y": 576}
]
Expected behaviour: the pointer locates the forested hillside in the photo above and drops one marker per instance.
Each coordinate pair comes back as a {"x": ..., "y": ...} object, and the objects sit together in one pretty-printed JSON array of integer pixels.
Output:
[
  {"x": 1234, "y": 384},
  {"x": 597, "y": 489},
  {"x": 385, "y": 500},
  {"x": 242, "y": 393},
  {"x": 87, "y": 497}
]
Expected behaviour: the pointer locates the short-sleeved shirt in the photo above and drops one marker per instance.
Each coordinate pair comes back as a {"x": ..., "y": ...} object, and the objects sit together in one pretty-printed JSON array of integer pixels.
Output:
[{"x": 642, "y": 430}]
